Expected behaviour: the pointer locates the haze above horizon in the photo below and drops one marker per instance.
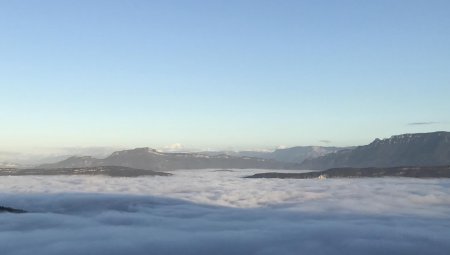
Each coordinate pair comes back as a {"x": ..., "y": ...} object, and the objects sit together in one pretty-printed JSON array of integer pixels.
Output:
[{"x": 221, "y": 74}]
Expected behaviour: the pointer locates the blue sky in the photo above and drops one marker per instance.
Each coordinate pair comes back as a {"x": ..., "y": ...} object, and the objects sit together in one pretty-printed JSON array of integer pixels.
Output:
[{"x": 221, "y": 74}]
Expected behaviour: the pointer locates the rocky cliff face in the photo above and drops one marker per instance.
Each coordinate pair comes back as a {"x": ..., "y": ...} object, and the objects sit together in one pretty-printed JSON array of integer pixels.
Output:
[{"x": 423, "y": 149}]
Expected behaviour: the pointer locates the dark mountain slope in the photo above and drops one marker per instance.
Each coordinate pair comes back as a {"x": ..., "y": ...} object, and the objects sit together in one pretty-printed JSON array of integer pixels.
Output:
[{"x": 423, "y": 149}]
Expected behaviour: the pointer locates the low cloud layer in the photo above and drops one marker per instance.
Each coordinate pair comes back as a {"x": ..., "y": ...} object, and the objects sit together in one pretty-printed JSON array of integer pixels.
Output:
[{"x": 208, "y": 212}]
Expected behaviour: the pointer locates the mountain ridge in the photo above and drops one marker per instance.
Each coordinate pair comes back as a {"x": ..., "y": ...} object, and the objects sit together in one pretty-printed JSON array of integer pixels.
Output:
[
  {"x": 416, "y": 149},
  {"x": 151, "y": 159},
  {"x": 296, "y": 154}
]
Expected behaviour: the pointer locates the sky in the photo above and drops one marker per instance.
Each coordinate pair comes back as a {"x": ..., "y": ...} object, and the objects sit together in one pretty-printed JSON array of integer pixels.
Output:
[{"x": 221, "y": 74}]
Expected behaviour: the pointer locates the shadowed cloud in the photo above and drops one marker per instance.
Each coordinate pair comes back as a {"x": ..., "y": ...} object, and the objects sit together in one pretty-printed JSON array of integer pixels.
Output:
[
  {"x": 208, "y": 212},
  {"x": 130, "y": 224}
]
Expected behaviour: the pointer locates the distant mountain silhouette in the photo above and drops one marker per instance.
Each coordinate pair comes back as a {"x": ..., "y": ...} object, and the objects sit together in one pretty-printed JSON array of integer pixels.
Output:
[
  {"x": 422, "y": 149},
  {"x": 150, "y": 159},
  {"x": 300, "y": 153},
  {"x": 290, "y": 155}
]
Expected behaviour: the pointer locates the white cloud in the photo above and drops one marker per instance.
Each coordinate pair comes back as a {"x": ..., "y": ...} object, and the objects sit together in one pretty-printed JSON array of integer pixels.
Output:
[
  {"x": 173, "y": 147},
  {"x": 207, "y": 212}
]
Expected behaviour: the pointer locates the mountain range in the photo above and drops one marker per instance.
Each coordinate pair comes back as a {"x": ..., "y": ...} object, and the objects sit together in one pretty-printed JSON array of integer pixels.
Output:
[
  {"x": 420, "y": 149},
  {"x": 150, "y": 159},
  {"x": 290, "y": 155}
]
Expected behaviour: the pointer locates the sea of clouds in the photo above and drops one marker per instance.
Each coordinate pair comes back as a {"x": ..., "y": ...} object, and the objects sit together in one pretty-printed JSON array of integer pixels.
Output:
[{"x": 218, "y": 212}]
